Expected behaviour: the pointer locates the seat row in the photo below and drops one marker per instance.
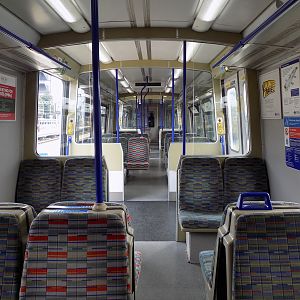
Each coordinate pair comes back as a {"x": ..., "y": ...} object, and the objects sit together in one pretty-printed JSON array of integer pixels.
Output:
[
  {"x": 45, "y": 181},
  {"x": 135, "y": 151},
  {"x": 72, "y": 252},
  {"x": 205, "y": 187},
  {"x": 257, "y": 252}
]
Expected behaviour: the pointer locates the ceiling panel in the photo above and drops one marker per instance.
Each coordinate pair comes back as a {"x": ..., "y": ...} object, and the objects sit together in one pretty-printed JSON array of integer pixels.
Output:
[
  {"x": 133, "y": 75},
  {"x": 206, "y": 53},
  {"x": 121, "y": 50},
  {"x": 144, "y": 49},
  {"x": 166, "y": 50},
  {"x": 238, "y": 14},
  {"x": 138, "y": 8},
  {"x": 37, "y": 14},
  {"x": 112, "y": 13},
  {"x": 81, "y": 53}
]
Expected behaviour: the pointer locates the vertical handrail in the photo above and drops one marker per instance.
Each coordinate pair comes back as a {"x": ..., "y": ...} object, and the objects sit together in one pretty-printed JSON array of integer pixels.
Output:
[
  {"x": 97, "y": 105},
  {"x": 117, "y": 107},
  {"x": 184, "y": 100},
  {"x": 136, "y": 113},
  {"x": 173, "y": 104}
]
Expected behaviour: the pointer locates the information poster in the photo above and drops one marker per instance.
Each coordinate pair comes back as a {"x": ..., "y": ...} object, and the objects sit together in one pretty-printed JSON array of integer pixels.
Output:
[
  {"x": 292, "y": 141},
  {"x": 7, "y": 97},
  {"x": 290, "y": 88},
  {"x": 270, "y": 101}
]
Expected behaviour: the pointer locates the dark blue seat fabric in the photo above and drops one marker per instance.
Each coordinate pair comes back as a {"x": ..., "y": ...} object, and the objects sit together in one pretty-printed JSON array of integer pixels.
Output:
[
  {"x": 266, "y": 260},
  {"x": 206, "y": 259},
  {"x": 244, "y": 174},
  {"x": 79, "y": 183},
  {"x": 200, "y": 193},
  {"x": 39, "y": 183},
  {"x": 197, "y": 220}
]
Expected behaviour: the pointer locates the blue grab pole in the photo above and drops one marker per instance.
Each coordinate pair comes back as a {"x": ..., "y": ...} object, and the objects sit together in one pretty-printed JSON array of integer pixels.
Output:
[
  {"x": 136, "y": 113},
  {"x": 97, "y": 102},
  {"x": 173, "y": 105},
  {"x": 184, "y": 100},
  {"x": 117, "y": 107}
]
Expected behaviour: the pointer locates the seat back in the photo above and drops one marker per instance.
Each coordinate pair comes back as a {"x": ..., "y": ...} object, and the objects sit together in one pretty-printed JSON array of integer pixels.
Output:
[
  {"x": 78, "y": 183},
  {"x": 39, "y": 183},
  {"x": 266, "y": 256},
  {"x": 138, "y": 150},
  {"x": 15, "y": 219},
  {"x": 244, "y": 174},
  {"x": 200, "y": 184},
  {"x": 77, "y": 253}
]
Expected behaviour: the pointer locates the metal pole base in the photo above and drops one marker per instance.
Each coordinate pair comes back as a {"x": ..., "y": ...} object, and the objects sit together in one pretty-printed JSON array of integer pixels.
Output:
[{"x": 99, "y": 207}]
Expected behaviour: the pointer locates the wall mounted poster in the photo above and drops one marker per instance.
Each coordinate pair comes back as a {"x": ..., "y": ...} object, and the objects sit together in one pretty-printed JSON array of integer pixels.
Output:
[
  {"x": 270, "y": 102},
  {"x": 7, "y": 97},
  {"x": 290, "y": 88},
  {"x": 292, "y": 141}
]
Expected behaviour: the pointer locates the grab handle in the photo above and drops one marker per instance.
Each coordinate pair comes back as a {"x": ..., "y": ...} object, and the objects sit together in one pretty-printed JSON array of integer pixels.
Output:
[{"x": 253, "y": 206}]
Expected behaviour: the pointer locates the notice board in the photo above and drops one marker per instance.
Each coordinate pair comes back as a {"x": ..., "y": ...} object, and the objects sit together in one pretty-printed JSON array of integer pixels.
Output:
[
  {"x": 270, "y": 97},
  {"x": 292, "y": 141},
  {"x": 7, "y": 97}
]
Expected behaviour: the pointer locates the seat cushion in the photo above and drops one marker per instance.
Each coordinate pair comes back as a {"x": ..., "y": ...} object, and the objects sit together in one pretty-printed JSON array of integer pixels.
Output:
[
  {"x": 137, "y": 266},
  {"x": 206, "y": 259},
  {"x": 199, "y": 220}
]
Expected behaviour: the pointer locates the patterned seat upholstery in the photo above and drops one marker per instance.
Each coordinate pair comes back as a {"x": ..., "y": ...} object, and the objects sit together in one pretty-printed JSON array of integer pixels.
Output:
[
  {"x": 78, "y": 183},
  {"x": 266, "y": 257},
  {"x": 77, "y": 254},
  {"x": 138, "y": 154},
  {"x": 206, "y": 259},
  {"x": 244, "y": 174},
  {"x": 124, "y": 145},
  {"x": 39, "y": 183},
  {"x": 197, "y": 220}
]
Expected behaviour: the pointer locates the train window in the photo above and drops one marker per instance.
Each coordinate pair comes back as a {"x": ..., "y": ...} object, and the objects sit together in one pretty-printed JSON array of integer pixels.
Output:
[
  {"x": 52, "y": 99},
  {"x": 233, "y": 119}
]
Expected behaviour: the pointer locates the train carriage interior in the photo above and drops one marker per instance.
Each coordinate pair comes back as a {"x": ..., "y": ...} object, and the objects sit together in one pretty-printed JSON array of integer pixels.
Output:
[{"x": 150, "y": 149}]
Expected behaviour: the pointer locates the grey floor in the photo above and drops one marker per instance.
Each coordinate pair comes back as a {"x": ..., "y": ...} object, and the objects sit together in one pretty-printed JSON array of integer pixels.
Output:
[
  {"x": 147, "y": 185},
  {"x": 153, "y": 221},
  {"x": 166, "y": 274}
]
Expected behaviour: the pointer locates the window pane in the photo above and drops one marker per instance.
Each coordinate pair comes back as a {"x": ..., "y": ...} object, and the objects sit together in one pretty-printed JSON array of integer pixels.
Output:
[
  {"x": 233, "y": 120},
  {"x": 49, "y": 121}
]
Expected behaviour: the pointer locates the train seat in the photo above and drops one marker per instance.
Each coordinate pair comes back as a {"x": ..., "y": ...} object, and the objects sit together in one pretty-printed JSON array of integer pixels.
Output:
[
  {"x": 138, "y": 154},
  {"x": 206, "y": 259},
  {"x": 78, "y": 180},
  {"x": 15, "y": 220},
  {"x": 244, "y": 174},
  {"x": 78, "y": 253},
  {"x": 39, "y": 183},
  {"x": 201, "y": 204}
]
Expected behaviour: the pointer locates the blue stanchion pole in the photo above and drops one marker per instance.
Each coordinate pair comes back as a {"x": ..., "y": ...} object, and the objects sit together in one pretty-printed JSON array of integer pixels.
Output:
[
  {"x": 117, "y": 107},
  {"x": 97, "y": 101},
  {"x": 173, "y": 105},
  {"x": 184, "y": 100},
  {"x": 136, "y": 113},
  {"x": 161, "y": 112}
]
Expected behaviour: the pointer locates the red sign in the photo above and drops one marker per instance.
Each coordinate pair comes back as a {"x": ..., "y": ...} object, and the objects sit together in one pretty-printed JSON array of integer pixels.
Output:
[{"x": 7, "y": 98}]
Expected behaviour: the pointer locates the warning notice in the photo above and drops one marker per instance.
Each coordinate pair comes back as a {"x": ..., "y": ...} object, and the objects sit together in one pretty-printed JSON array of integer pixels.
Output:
[
  {"x": 7, "y": 98},
  {"x": 292, "y": 141}
]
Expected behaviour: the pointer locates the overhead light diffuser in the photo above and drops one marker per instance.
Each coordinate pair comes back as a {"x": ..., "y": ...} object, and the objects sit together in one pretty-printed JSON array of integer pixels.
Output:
[
  {"x": 130, "y": 91},
  {"x": 168, "y": 90},
  {"x": 103, "y": 54},
  {"x": 191, "y": 49},
  {"x": 69, "y": 13},
  {"x": 124, "y": 83},
  {"x": 177, "y": 73},
  {"x": 208, "y": 13}
]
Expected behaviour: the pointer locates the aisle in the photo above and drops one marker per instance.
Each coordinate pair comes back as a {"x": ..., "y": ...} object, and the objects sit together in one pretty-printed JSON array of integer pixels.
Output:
[{"x": 148, "y": 185}]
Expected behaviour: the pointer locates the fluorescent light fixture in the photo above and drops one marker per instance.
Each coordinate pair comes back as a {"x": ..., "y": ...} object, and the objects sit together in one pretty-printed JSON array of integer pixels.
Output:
[
  {"x": 208, "y": 13},
  {"x": 167, "y": 90},
  {"x": 113, "y": 73},
  {"x": 103, "y": 54},
  {"x": 191, "y": 49},
  {"x": 211, "y": 9},
  {"x": 130, "y": 91},
  {"x": 124, "y": 83},
  {"x": 69, "y": 13},
  {"x": 177, "y": 73}
]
